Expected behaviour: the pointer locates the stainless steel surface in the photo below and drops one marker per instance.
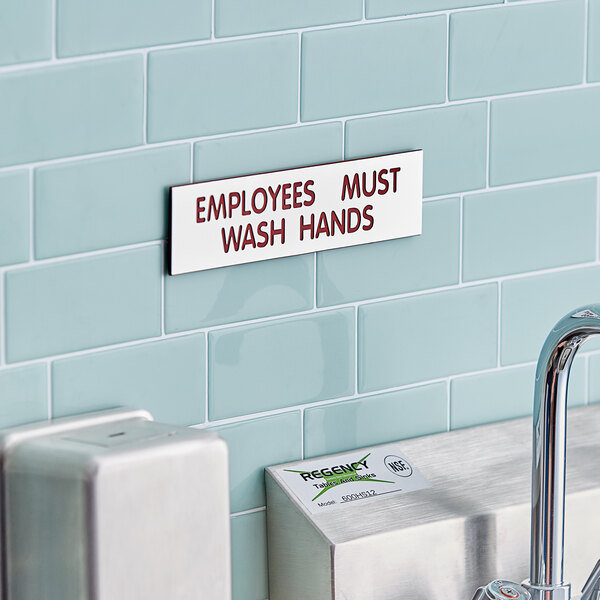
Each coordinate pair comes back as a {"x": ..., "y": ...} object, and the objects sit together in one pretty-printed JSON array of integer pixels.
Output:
[
  {"x": 546, "y": 579},
  {"x": 114, "y": 506},
  {"x": 591, "y": 589},
  {"x": 443, "y": 542}
]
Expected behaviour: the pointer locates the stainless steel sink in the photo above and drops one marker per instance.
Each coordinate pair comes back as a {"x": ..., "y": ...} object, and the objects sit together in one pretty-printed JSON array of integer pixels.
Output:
[{"x": 443, "y": 542}]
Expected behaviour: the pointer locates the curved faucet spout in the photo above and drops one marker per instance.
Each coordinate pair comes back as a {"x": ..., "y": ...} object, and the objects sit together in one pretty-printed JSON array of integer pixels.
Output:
[{"x": 549, "y": 451}]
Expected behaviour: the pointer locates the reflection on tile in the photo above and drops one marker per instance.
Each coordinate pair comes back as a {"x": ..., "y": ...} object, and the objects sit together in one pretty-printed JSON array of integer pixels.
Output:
[
  {"x": 255, "y": 368},
  {"x": 375, "y": 420}
]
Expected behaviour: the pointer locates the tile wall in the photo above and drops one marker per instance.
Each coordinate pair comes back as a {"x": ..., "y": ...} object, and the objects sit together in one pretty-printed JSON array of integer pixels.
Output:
[{"x": 106, "y": 103}]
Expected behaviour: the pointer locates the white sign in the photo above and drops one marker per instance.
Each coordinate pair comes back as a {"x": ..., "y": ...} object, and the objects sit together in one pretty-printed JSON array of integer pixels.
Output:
[
  {"x": 284, "y": 213},
  {"x": 345, "y": 479}
]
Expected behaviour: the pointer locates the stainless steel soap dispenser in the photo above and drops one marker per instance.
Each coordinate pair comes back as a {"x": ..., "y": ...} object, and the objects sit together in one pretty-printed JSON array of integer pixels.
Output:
[{"x": 114, "y": 506}]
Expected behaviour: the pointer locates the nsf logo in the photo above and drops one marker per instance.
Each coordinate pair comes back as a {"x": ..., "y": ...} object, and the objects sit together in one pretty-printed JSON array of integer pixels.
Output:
[{"x": 398, "y": 466}]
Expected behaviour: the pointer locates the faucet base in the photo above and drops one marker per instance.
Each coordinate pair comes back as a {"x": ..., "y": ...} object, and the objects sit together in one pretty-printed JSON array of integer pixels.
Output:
[{"x": 560, "y": 592}]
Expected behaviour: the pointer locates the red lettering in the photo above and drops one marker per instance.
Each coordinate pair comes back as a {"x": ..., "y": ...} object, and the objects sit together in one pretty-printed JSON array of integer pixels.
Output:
[
  {"x": 255, "y": 207},
  {"x": 309, "y": 193},
  {"x": 274, "y": 195},
  {"x": 245, "y": 211},
  {"x": 231, "y": 238},
  {"x": 323, "y": 226},
  {"x": 368, "y": 217},
  {"x": 353, "y": 211},
  {"x": 383, "y": 181},
  {"x": 232, "y": 205},
  {"x": 200, "y": 209},
  {"x": 368, "y": 194},
  {"x": 307, "y": 227},
  {"x": 213, "y": 210},
  {"x": 280, "y": 231},
  {"x": 285, "y": 195},
  {"x": 249, "y": 237},
  {"x": 394, "y": 172},
  {"x": 263, "y": 234},
  {"x": 351, "y": 189},
  {"x": 297, "y": 193},
  {"x": 335, "y": 220}
]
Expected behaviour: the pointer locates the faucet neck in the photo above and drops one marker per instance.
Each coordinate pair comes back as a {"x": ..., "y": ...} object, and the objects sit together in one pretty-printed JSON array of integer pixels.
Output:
[{"x": 549, "y": 451}]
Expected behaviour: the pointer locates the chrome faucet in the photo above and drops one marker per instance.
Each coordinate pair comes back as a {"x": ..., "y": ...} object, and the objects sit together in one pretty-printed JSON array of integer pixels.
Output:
[{"x": 546, "y": 575}]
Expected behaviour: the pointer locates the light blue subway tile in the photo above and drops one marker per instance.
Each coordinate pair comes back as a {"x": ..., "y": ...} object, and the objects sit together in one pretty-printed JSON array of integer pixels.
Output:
[
  {"x": 405, "y": 265},
  {"x": 594, "y": 41},
  {"x": 504, "y": 394},
  {"x": 25, "y": 31},
  {"x": 255, "y": 368},
  {"x": 218, "y": 88},
  {"x": 375, "y": 420},
  {"x": 106, "y": 202},
  {"x": 86, "y": 26},
  {"x": 453, "y": 139},
  {"x": 270, "y": 151},
  {"x": 71, "y": 109},
  {"x": 375, "y": 67},
  {"x": 14, "y": 217},
  {"x": 497, "y": 51},
  {"x": 526, "y": 223},
  {"x": 23, "y": 395},
  {"x": 239, "y": 293},
  {"x": 254, "y": 445},
  {"x": 426, "y": 337},
  {"x": 166, "y": 377},
  {"x": 82, "y": 303},
  {"x": 532, "y": 305},
  {"x": 235, "y": 17},
  {"x": 377, "y": 9},
  {"x": 545, "y": 135},
  {"x": 249, "y": 556}
]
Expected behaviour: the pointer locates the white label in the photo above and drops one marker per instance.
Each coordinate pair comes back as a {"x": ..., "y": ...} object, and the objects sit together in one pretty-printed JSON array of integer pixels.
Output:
[
  {"x": 348, "y": 479},
  {"x": 284, "y": 213}
]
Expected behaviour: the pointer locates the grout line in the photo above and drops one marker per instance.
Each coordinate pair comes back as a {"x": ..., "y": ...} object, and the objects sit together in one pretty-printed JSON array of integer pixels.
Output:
[
  {"x": 356, "y": 351},
  {"x": 447, "y": 58},
  {"x": 585, "y": 41},
  {"x": 498, "y": 334},
  {"x": 2, "y": 322},
  {"x": 163, "y": 280},
  {"x": 488, "y": 144},
  {"x": 598, "y": 219},
  {"x": 213, "y": 39},
  {"x": 221, "y": 135},
  {"x": 298, "y": 118},
  {"x": 145, "y": 107},
  {"x": 460, "y": 239},
  {"x": 307, "y": 312},
  {"x": 54, "y": 32},
  {"x": 49, "y": 389},
  {"x": 31, "y": 218},
  {"x": 206, "y": 388},
  {"x": 248, "y": 512},
  {"x": 364, "y": 11},
  {"x": 213, "y": 20},
  {"x": 315, "y": 281}
]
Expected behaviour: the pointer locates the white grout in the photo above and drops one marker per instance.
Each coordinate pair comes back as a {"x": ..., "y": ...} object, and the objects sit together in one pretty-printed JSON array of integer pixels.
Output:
[
  {"x": 2, "y": 322},
  {"x": 249, "y": 512},
  {"x": 31, "y": 217},
  {"x": 488, "y": 145},
  {"x": 54, "y": 32},
  {"x": 299, "y": 116},
  {"x": 460, "y": 239},
  {"x": 598, "y": 219},
  {"x": 206, "y": 376},
  {"x": 49, "y": 389},
  {"x": 448, "y": 405},
  {"x": 585, "y": 40},
  {"x": 56, "y": 61},
  {"x": 217, "y": 40},
  {"x": 499, "y": 336}
]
